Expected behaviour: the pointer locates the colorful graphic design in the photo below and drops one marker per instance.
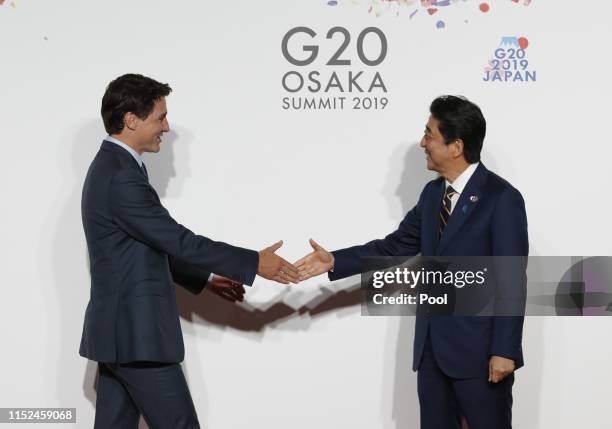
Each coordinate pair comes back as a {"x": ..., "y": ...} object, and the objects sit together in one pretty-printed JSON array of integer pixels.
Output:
[
  {"x": 510, "y": 62},
  {"x": 379, "y": 7}
]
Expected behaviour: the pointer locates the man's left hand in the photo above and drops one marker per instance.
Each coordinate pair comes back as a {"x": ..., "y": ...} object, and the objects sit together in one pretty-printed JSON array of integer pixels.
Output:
[
  {"x": 499, "y": 368},
  {"x": 226, "y": 288}
]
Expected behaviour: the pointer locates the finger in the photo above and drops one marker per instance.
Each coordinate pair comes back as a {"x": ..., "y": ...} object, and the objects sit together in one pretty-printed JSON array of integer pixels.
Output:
[
  {"x": 490, "y": 373},
  {"x": 232, "y": 291},
  {"x": 279, "y": 279},
  {"x": 497, "y": 376},
  {"x": 290, "y": 272},
  {"x": 305, "y": 276},
  {"x": 225, "y": 295},
  {"x": 230, "y": 298},
  {"x": 288, "y": 267},
  {"x": 314, "y": 244},
  {"x": 236, "y": 296},
  {"x": 304, "y": 268},
  {"x": 293, "y": 276},
  {"x": 289, "y": 278},
  {"x": 300, "y": 262},
  {"x": 275, "y": 246}
]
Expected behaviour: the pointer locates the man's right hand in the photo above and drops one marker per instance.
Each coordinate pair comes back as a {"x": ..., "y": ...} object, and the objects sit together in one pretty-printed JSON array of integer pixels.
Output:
[
  {"x": 317, "y": 262},
  {"x": 273, "y": 267}
]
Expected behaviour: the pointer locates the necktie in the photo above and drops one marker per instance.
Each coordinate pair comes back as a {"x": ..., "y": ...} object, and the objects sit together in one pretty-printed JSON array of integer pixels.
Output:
[
  {"x": 445, "y": 211},
  {"x": 144, "y": 170}
]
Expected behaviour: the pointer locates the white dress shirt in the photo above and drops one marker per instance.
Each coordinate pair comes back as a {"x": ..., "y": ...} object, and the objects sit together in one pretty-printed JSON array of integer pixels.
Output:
[{"x": 460, "y": 182}]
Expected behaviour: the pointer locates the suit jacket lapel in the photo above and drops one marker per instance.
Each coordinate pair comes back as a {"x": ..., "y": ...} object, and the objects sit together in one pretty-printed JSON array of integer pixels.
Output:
[
  {"x": 468, "y": 200},
  {"x": 431, "y": 209}
]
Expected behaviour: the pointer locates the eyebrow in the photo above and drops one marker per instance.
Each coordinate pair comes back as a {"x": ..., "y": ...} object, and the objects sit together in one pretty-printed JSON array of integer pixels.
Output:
[{"x": 428, "y": 129}]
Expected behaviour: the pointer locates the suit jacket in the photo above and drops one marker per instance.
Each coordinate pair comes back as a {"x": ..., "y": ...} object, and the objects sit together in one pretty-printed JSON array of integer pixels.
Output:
[
  {"x": 493, "y": 224},
  {"x": 136, "y": 251}
]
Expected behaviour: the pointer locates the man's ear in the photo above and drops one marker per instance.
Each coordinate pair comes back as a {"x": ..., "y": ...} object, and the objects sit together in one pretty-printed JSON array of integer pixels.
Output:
[
  {"x": 130, "y": 120},
  {"x": 457, "y": 148}
]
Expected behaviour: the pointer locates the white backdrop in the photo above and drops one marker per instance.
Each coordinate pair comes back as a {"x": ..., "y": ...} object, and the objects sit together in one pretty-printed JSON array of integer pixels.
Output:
[{"x": 238, "y": 168}]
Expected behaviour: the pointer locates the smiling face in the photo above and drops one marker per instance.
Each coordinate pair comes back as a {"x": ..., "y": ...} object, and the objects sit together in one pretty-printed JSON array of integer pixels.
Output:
[
  {"x": 439, "y": 155},
  {"x": 147, "y": 133}
]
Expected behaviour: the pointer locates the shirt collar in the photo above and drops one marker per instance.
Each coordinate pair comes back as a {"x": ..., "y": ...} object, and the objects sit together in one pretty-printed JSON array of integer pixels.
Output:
[
  {"x": 132, "y": 152},
  {"x": 460, "y": 182}
]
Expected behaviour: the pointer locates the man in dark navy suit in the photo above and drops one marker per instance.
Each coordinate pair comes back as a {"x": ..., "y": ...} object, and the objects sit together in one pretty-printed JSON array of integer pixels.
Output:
[
  {"x": 465, "y": 364},
  {"x": 137, "y": 251}
]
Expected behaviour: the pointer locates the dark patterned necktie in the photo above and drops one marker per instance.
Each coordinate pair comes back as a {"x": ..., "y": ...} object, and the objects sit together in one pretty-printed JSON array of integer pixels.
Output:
[
  {"x": 445, "y": 211},
  {"x": 144, "y": 170}
]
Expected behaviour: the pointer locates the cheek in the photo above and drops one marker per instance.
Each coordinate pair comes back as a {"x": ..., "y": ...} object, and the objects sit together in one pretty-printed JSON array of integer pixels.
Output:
[{"x": 437, "y": 149}]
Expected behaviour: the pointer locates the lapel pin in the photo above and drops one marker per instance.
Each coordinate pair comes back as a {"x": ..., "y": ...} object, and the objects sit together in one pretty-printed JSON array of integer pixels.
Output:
[{"x": 474, "y": 198}]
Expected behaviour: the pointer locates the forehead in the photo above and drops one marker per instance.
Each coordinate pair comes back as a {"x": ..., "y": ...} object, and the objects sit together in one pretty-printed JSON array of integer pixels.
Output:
[{"x": 432, "y": 124}]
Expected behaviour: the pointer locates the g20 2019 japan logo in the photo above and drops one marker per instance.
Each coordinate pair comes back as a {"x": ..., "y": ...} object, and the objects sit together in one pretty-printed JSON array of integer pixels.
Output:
[{"x": 510, "y": 62}]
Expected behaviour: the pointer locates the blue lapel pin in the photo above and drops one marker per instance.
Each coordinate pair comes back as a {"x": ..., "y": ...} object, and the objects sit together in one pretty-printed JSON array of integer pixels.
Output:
[{"x": 473, "y": 199}]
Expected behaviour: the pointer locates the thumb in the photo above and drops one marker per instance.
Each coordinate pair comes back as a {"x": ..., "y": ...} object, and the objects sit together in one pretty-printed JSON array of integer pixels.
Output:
[
  {"x": 315, "y": 245},
  {"x": 275, "y": 246}
]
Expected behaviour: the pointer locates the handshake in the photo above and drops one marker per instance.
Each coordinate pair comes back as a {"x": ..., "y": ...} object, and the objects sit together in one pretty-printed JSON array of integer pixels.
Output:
[{"x": 273, "y": 267}]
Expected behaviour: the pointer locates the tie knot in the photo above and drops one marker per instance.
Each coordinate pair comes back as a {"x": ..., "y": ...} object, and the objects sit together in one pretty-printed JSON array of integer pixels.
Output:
[{"x": 450, "y": 192}]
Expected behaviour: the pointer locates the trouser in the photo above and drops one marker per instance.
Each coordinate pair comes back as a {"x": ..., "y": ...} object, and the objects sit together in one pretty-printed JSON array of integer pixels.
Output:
[
  {"x": 157, "y": 391},
  {"x": 443, "y": 400}
]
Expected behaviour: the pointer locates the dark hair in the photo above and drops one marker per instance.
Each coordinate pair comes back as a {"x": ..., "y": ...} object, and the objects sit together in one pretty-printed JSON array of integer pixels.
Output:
[
  {"x": 459, "y": 118},
  {"x": 130, "y": 93}
]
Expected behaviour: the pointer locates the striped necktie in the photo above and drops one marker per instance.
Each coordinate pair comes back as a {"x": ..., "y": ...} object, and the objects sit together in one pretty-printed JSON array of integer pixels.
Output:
[
  {"x": 445, "y": 211},
  {"x": 144, "y": 170}
]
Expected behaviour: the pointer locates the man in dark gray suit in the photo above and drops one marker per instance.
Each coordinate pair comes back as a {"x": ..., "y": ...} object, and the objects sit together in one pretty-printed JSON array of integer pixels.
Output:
[{"x": 137, "y": 251}]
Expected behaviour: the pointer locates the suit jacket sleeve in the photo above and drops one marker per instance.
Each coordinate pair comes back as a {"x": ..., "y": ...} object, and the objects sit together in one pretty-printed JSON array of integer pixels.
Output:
[
  {"x": 405, "y": 241},
  {"x": 188, "y": 276},
  {"x": 509, "y": 238},
  {"x": 138, "y": 212}
]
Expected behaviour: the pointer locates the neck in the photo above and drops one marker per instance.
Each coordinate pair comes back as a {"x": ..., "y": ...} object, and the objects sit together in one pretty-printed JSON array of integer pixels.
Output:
[
  {"x": 454, "y": 171},
  {"x": 128, "y": 141}
]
